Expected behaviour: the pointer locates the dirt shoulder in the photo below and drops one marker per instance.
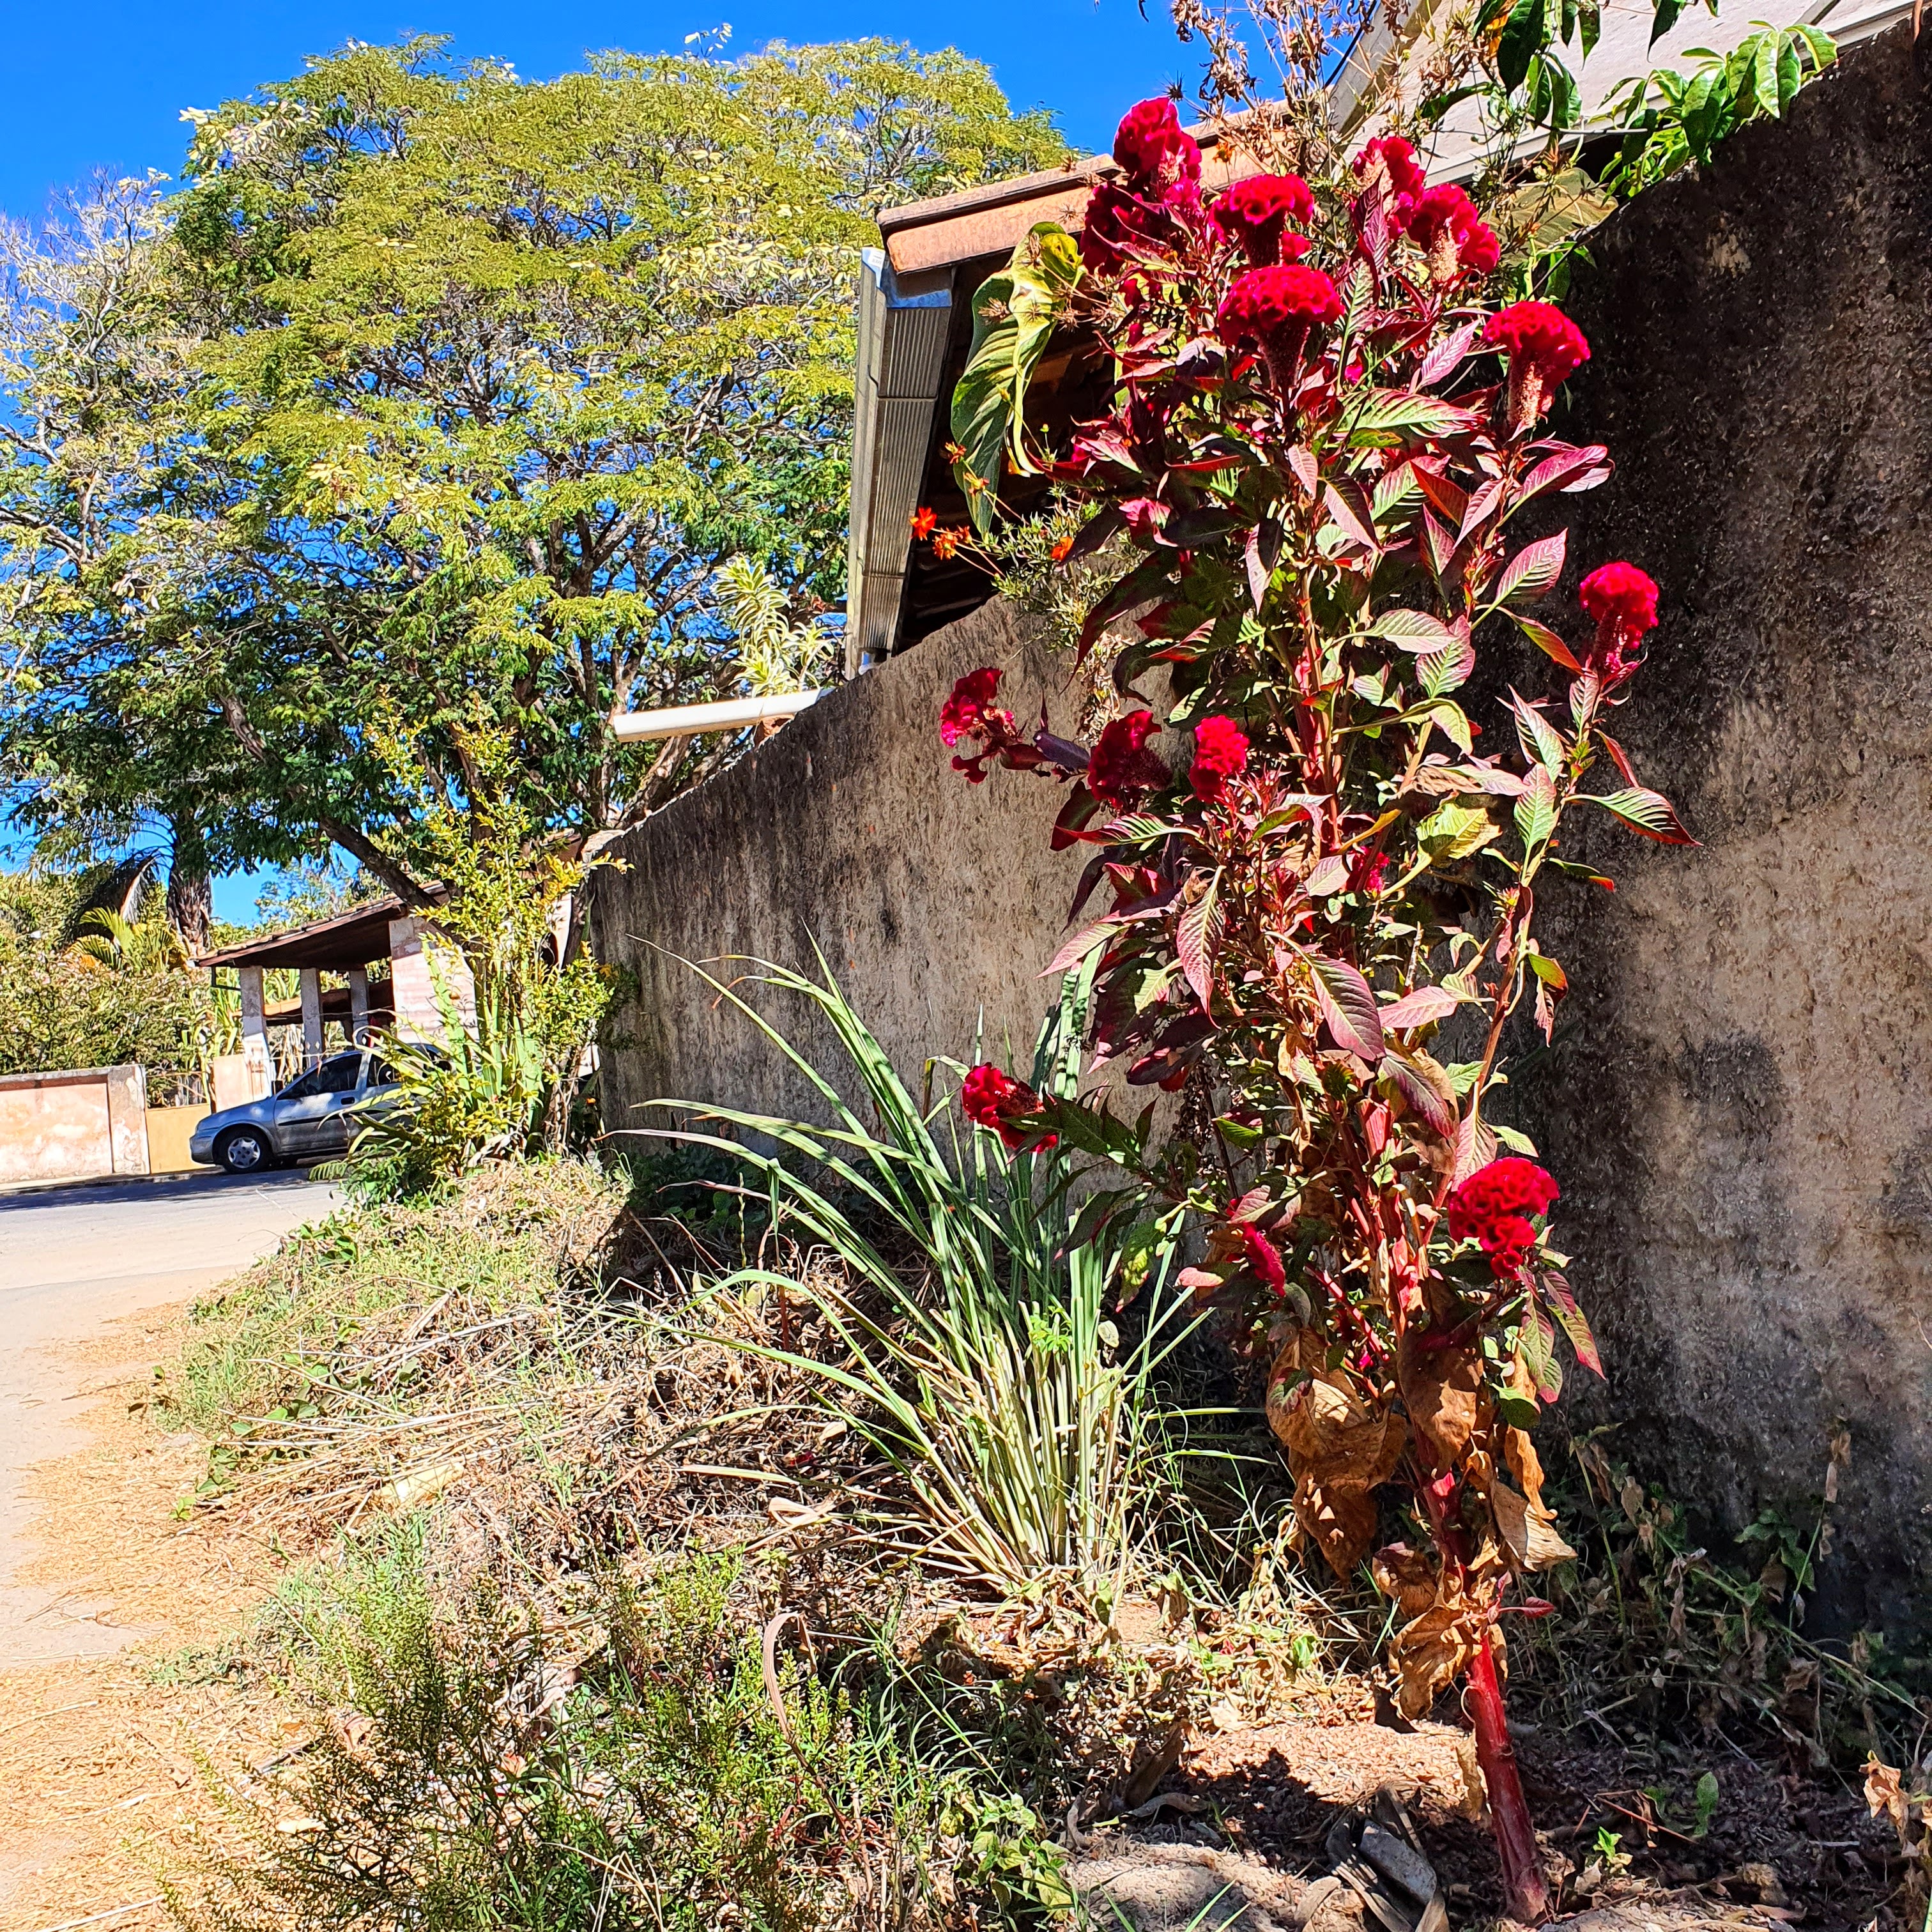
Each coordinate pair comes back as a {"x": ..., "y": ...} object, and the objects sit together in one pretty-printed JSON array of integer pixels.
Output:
[{"x": 100, "y": 1754}]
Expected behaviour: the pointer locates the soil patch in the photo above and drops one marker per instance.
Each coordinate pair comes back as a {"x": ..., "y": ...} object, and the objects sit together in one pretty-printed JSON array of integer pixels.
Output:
[{"x": 102, "y": 1756}]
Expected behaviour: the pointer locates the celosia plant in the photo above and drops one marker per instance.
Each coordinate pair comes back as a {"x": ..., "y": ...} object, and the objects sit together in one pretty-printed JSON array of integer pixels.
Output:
[{"x": 1322, "y": 902}]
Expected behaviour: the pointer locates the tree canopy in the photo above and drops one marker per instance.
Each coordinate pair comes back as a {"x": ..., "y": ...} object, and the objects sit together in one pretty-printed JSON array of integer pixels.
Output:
[{"x": 436, "y": 402}]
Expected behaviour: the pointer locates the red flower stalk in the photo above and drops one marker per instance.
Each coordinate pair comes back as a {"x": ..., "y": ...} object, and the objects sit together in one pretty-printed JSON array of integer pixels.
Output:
[
  {"x": 1159, "y": 179},
  {"x": 970, "y": 713},
  {"x": 1276, "y": 307},
  {"x": 1121, "y": 766},
  {"x": 1495, "y": 1206},
  {"x": 1256, "y": 213},
  {"x": 1456, "y": 240},
  {"x": 993, "y": 1099},
  {"x": 1390, "y": 163},
  {"x": 1220, "y": 753},
  {"x": 1623, "y": 600},
  {"x": 1153, "y": 149},
  {"x": 1544, "y": 347},
  {"x": 1263, "y": 1259}
]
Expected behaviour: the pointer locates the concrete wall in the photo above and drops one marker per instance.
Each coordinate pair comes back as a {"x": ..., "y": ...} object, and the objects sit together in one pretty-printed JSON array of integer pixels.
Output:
[
  {"x": 935, "y": 902},
  {"x": 1743, "y": 1131},
  {"x": 73, "y": 1125},
  {"x": 1745, "y": 1135}
]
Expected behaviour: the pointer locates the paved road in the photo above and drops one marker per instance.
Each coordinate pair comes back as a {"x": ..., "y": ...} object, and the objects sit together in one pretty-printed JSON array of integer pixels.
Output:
[{"x": 72, "y": 1261}]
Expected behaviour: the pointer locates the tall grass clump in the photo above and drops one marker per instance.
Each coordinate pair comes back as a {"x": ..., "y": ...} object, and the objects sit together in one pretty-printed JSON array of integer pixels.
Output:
[{"x": 970, "y": 1314}]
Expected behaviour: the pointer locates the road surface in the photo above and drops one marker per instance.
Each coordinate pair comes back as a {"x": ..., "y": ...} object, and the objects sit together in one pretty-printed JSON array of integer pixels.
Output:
[{"x": 73, "y": 1261}]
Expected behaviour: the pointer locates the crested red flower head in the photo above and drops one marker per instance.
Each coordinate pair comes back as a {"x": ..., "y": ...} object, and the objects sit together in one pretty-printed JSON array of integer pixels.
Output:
[
  {"x": 1495, "y": 1207},
  {"x": 1262, "y": 1257},
  {"x": 1257, "y": 212},
  {"x": 965, "y": 711},
  {"x": 1544, "y": 346},
  {"x": 1391, "y": 159},
  {"x": 969, "y": 712},
  {"x": 1276, "y": 307},
  {"x": 1623, "y": 600},
  {"x": 1447, "y": 228},
  {"x": 1121, "y": 765},
  {"x": 1153, "y": 149},
  {"x": 993, "y": 1099},
  {"x": 1220, "y": 753}
]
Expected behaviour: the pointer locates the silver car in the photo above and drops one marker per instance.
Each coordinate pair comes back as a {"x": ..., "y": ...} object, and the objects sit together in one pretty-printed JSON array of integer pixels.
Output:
[{"x": 309, "y": 1119}]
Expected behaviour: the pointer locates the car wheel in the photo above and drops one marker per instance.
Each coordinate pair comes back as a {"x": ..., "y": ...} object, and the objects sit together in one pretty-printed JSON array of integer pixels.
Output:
[{"x": 245, "y": 1150}]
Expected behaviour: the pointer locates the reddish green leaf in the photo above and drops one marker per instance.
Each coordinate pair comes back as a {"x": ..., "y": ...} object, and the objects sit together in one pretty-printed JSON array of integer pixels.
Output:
[
  {"x": 1533, "y": 569},
  {"x": 1348, "y": 1006},
  {"x": 1421, "y": 1007},
  {"x": 1649, "y": 812},
  {"x": 1193, "y": 943},
  {"x": 1546, "y": 641}
]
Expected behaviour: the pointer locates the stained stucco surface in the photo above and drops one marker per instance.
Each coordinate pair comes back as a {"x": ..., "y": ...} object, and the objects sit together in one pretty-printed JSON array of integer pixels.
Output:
[
  {"x": 935, "y": 904},
  {"x": 1744, "y": 1128}
]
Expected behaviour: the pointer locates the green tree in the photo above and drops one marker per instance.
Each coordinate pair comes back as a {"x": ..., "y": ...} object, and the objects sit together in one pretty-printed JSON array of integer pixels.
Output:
[{"x": 438, "y": 400}]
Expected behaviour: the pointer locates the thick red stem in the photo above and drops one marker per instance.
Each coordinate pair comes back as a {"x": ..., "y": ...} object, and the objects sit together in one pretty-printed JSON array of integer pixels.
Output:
[{"x": 1526, "y": 1893}]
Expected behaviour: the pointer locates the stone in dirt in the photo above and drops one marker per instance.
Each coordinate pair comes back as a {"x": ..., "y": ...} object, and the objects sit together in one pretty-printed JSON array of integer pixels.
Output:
[{"x": 1176, "y": 1888}]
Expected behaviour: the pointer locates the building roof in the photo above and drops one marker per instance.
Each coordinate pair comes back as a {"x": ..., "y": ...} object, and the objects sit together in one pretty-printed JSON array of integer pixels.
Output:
[
  {"x": 915, "y": 329},
  {"x": 351, "y": 938}
]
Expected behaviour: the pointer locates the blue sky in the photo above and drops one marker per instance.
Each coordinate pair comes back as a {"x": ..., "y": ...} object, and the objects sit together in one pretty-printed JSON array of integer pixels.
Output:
[{"x": 105, "y": 87}]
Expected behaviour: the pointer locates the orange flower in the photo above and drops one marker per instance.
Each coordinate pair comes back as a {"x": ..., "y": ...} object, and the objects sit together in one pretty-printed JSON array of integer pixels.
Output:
[
  {"x": 947, "y": 541},
  {"x": 956, "y": 452},
  {"x": 923, "y": 521},
  {"x": 1059, "y": 552}
]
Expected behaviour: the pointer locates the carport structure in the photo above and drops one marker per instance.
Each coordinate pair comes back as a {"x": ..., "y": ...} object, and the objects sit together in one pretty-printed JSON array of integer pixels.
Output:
[{"x": 347, "y": 944}]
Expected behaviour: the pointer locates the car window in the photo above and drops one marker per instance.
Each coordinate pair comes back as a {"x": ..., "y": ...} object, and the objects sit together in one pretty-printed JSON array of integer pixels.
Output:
[
  {"x": 303, "y": 1087},
  {"x": 339, "y": 1075},
  {"x": 381, "y": 1073}
]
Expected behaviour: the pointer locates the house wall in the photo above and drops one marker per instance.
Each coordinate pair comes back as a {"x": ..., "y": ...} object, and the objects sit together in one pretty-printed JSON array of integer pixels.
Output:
[{"x": 1743, "y": 1123}]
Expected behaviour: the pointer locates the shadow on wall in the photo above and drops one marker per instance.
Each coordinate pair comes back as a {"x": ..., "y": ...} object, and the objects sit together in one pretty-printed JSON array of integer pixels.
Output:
[{"x": 1743, "y": 1121}]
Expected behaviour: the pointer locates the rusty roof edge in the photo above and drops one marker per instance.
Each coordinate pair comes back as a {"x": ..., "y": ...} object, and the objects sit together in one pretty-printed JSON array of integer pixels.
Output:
[{"x": 389, "y": 906}]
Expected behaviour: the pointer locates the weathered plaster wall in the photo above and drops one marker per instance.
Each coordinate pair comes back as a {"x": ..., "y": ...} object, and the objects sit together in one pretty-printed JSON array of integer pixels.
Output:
[
  {"x": 1744, "y": 1129},
  {"x": 1744, "y": 1135},
  {"x": 935, "y": 903}
]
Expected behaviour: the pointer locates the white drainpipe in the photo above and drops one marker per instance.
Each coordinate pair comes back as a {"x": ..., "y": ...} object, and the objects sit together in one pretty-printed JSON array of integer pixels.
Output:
[{"x": 731, "y": 714}]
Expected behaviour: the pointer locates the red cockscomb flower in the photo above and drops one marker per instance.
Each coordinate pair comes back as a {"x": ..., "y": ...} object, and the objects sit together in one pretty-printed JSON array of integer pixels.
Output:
[
  {"x": 1263, "y": 1257},
  {"x": 970, "y": 713},
  {"x": 1220, "y": 753},
  {"x": 923, "y": 522},
  {"x": 1494, "y": 1206},
  {"x": 1256, "y": 213},
  {"x": 1392, "y": 159},
  {"x": 1276, "y": 307},
  {"x": 1623, "y": 600},
  {"x": 1153, "y": 149},
  {"x": 993, "y": 1099},
  {"x": 1121, "y": 765},
  {"x": 1447, "y": 228},
  {"x": 1544, "y": 347},
  {"x": 965, "y": 711}
]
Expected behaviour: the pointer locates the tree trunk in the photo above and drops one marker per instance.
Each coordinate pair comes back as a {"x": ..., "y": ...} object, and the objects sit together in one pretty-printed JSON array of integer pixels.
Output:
[
  {"x": 190, "y": 901},
  {"x": 1525, "y": 1892}
]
